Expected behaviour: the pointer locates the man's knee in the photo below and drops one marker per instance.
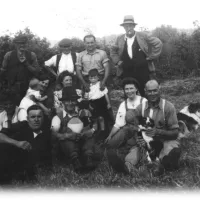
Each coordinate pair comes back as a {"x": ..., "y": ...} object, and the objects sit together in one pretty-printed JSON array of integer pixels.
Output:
[
  {"x": 171, "y": 161},
  {"x": 132, "y": 158}
]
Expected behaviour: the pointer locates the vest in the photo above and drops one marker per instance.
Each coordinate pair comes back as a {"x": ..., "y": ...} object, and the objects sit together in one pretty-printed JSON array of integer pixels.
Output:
[
  {"x": 73, "y": 54},
  {"x": 17, "y": 71}
]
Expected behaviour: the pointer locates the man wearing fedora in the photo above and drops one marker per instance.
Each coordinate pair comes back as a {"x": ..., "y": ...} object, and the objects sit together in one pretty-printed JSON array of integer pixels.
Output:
[
  {"x": 134, "y": 52},
  {"x": 18, "y": 67},
  {"x": 64, "y": 61}
]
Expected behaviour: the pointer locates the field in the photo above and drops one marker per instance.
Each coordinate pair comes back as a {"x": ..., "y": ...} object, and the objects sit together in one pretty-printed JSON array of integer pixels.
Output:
[{"x": 187, "y": 178}]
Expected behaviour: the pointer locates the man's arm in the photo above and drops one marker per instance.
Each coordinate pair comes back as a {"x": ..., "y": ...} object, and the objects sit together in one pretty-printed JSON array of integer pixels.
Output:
[
  {"x": 5, "y": 139},
  {"x": 79, "y": 72},
  {"x": 4, "y": 66},
  {"x": 154, "y": 45}
]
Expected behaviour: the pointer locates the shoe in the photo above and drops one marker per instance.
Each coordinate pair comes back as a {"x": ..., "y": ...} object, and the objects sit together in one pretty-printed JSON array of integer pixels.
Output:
[
  {"x": 76, "y": 164},
  {"x": 89, "y": 165},
  {"x": 157, "y": 169}
]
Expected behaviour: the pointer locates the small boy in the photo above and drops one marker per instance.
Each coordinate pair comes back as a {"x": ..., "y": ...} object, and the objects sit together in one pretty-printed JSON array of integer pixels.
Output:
[
  {"x": 99, "y": 100},
  {"x": 32, "y": 97}
]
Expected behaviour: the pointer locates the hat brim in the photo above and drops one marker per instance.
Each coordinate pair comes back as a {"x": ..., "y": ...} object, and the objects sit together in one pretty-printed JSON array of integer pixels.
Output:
[{"x": 128, "y": 23}]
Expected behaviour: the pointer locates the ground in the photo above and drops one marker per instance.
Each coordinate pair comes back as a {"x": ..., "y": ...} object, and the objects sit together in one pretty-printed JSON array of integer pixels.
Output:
[{"x": 180, "y": 93}]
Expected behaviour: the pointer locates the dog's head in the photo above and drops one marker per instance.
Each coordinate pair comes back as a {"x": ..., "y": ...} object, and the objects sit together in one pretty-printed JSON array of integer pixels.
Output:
[
  {"x": 194, "y": 108},
  {"x": 146, "y": 122}
]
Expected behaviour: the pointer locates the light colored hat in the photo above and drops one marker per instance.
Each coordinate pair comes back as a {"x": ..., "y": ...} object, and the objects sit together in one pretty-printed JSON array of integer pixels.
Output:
[{"x": 128, "y": 19}]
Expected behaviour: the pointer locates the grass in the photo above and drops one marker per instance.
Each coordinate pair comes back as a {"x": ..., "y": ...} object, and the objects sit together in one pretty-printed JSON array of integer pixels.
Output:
[{"x": 187, "y": 177}]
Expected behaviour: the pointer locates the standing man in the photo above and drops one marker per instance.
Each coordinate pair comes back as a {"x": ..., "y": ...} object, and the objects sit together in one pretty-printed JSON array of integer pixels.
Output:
[
  {"x": 24, "y": 145},
  {"x": 18, "y": 67},
  {"x": 64, "y": 61},
  {"x": 134, "y": 52},
  {"x": 92, "y": 58}
]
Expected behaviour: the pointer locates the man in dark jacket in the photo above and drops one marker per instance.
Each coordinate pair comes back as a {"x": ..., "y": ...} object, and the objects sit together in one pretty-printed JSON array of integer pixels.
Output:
[
  {"x": 134, "y": 52},
  {"x": 18, "y": 67},
  {"x": 24, "y": 145}
]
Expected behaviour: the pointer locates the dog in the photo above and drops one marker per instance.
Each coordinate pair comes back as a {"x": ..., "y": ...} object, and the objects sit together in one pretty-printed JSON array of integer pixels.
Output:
[
  {"x": 153, "y": 145},
  {"x": 188, "y": 119}
]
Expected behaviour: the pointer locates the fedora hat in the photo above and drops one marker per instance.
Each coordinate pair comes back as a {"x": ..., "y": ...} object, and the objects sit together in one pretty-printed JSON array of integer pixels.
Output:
[
  {"x": 69, "y": 94},
  {"x": 128, "y": 19}
]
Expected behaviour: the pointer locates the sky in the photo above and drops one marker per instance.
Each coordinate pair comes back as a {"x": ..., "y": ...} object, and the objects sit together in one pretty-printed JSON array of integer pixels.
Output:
[{"x": 57, "y": 19}]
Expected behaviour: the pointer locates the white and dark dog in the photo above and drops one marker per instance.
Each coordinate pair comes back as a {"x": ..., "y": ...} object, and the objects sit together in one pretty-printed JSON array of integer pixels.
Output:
[
  {"x": 153, "y": 146},
  {"x": 189, "y": 119}
]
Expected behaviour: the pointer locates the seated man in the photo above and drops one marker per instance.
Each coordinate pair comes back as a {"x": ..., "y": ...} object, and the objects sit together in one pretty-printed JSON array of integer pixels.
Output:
[
  {"x": 24, "y": 145},
  {"x": 73, "y": 135},
  {"x": 163, "y": 114}
]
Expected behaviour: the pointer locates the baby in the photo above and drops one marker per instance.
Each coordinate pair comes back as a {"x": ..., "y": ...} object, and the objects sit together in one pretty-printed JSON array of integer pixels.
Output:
[{"x": 32, "y": 97}]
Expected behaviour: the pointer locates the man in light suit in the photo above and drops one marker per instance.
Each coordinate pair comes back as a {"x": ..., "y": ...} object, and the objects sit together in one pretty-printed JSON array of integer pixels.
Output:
[{"x": 134, "y": 52}]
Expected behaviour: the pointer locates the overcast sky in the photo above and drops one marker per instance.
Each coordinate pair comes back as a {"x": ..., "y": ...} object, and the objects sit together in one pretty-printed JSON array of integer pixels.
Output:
[{"x": 56, "y": 19}]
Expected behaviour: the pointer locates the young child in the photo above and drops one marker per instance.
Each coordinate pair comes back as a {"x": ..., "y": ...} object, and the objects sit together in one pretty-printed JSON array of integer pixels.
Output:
[
  {"x": 33, "y": 96},
  {"x": 99, "y": 100}
]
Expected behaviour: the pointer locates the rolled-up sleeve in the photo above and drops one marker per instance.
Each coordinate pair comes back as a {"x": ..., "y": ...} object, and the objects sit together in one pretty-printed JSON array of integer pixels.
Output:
[
  {"x": 171, "y": 117},
  {"x": 105, "y": 58},
  {"x": 51, "y": 62}
]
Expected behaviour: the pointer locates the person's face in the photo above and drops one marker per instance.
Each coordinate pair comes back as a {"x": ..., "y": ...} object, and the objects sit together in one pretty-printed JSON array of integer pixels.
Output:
[
  {"x": 70, "y": 106},
  {"x": 35, "y": 119},
  {"x": 129, "y": 28},
  {"x": 93, "y": 79},
  {"x": 66, "y": 49},
  {"x": 67, "y": 81},
  {"x": 21, "y": 46},
  {"x": 152, "y": 92},
  {"x": 44, "y": 84},
  {"x": 90, "y": 44},
  {"x": 130, "y": 91}
]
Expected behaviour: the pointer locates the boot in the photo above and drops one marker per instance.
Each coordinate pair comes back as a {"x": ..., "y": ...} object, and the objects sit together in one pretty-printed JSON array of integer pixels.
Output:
[{"x": 76, "y": 164}]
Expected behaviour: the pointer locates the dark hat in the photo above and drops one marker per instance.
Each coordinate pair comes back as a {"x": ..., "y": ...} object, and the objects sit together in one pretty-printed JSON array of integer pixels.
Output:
[
  {"x": 69, "y": 94},
  {"x": 65, "y": 42},
  {"x": 93, "y": 72},
  {"x": 20, "y": 39},
  {"x": 128, "y": 19}
]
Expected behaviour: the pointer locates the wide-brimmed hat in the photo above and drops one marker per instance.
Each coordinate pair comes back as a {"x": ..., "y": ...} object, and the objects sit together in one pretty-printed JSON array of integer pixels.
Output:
[
  {"x": 65, "y": 42},
  {"x": 128, "y": 19},
  {"x": 20, "y": 39},
  {"x": 69, "y": 94}
]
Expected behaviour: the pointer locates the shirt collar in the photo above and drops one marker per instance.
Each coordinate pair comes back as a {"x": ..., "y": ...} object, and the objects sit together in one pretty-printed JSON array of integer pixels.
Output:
[
  {"x": 95, "y": 51},
  {"x": 36, "y": 134},
  {"x": 125, "y": 37},
  {"x": 159, "y": 105}
]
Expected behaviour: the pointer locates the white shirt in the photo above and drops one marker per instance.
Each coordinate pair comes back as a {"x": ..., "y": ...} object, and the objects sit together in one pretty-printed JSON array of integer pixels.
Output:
[
  {"x": 4, "y": 119},
  {"x": 129, "y": 46},
  {"x": 66, "y": 63},
  {"x": 95, "y": 92},
  {"x": 121, "y": 113}
]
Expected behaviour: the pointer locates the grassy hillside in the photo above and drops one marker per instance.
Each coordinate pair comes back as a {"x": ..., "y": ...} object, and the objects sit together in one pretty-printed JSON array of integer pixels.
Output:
[{"x": 179, "y": 92}]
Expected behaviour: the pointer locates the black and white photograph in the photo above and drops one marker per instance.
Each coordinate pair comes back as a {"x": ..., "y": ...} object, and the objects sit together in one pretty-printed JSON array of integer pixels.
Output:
[{"x": 99, "y": 97}]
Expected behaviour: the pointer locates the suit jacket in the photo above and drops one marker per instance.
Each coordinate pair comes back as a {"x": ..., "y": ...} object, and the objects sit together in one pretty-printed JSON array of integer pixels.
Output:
[{"x": 151, "y": 46}]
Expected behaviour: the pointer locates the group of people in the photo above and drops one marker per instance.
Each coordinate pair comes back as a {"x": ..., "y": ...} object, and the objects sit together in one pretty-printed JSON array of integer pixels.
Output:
[{"x": 43, "y": 119}]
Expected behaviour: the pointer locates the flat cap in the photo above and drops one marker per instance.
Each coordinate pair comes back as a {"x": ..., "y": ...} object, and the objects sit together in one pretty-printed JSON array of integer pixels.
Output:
[
  {"x": 20, "y": 39},
  {"x": 65, "y": 42}
]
